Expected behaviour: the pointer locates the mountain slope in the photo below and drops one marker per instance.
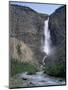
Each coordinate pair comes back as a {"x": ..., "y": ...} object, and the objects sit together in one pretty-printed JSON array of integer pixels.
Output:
[{"x": 26, "y": 27}]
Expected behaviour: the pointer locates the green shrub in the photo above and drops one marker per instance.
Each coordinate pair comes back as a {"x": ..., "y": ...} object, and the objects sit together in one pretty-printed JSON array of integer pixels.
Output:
[
  {"x": 18, "y": 67},
  {"x": 57, "y": 70}
]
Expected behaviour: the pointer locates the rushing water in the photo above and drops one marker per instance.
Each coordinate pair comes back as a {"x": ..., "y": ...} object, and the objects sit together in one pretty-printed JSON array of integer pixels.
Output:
[
  {"x": 40, "y": 79},
  {"x": 46, "y": 44},
  {"x": 47, "y": 38}
]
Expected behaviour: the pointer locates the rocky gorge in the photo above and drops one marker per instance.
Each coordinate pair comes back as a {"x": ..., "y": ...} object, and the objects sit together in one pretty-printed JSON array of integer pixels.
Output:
[{"x": 26, "y": 38}]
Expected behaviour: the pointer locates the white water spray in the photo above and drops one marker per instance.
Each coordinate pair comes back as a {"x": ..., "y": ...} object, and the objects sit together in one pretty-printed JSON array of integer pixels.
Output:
[{"x": 47, "y": 40}]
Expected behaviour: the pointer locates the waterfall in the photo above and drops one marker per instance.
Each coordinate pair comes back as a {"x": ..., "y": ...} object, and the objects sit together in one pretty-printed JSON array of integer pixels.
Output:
[
  {"x": 46, "y": 47},
  {"x": 47, "y": 38}
]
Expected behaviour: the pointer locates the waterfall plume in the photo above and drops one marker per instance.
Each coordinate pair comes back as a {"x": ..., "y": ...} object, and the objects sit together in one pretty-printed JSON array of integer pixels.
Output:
[{"x": 47, "y": 38}]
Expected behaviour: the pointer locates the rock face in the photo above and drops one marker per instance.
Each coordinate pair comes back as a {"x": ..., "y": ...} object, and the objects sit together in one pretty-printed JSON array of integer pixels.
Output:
[
  {"x": 26, "y": 30},
  {"x": 56, "y": 64}
]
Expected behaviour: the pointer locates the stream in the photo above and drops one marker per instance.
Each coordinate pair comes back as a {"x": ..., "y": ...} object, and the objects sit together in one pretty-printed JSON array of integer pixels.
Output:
[{"x": 39, "y": 79}]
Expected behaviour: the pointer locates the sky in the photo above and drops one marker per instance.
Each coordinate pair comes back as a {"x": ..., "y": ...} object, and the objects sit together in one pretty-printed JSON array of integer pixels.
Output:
[{"x": 39, "y": 7}]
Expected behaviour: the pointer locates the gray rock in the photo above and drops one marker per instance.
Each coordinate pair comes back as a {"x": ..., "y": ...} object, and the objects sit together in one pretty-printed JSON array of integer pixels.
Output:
[
  {"x": 26, "y": 25},
  {"x": 56, "y": 64}
]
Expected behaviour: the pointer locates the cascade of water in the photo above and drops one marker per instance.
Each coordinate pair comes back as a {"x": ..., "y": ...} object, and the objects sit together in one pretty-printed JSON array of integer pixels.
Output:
[{"x": 47, "y": 40}]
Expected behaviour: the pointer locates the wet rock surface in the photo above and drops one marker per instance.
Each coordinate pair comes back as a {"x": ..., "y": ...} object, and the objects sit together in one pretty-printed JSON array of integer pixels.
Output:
[{"x": 40, "y": 79}]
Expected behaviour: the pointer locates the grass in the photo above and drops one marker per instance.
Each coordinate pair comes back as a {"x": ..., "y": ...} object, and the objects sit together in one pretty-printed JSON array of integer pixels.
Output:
[{"x": 18, "y": 67}]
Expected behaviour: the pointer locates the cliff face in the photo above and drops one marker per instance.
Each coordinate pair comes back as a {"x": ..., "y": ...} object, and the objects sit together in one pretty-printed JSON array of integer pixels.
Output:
[
  {"x": 26, "y": 30},
  {"x": 57, "y": 25}
]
